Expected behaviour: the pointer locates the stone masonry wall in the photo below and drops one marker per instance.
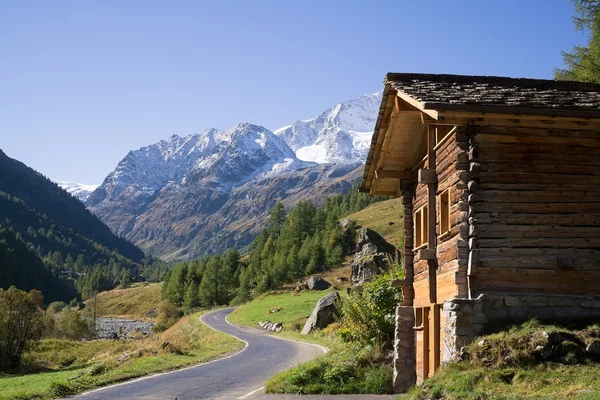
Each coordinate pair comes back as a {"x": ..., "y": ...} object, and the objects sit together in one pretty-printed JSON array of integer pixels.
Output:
[
  {"x": 512, "y": 307},
  {"x": 465, "y": 319},
  {"x": 404, "y": 345}
]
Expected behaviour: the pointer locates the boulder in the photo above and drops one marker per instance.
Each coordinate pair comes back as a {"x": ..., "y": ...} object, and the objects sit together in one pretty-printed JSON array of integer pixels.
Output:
[
  {"x": 323, "y": 313},
  {"x": 271, "y": 326},
  {"x": 317, "y": 283},
  {"x": 373, "y": 256},
  {"x": 593, "y": 348}
]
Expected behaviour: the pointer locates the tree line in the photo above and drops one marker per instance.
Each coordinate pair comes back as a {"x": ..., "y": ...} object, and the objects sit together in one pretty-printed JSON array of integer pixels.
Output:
[{"x": 307, "y": 240}]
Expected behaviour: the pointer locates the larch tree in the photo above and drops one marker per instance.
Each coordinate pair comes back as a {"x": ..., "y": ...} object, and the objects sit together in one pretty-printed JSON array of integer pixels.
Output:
[{"x": 583, "y": 62}]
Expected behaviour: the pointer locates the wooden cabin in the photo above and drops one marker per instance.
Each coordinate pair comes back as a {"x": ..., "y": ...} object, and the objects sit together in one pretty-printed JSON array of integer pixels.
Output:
[{"x": 500, "y": 181}]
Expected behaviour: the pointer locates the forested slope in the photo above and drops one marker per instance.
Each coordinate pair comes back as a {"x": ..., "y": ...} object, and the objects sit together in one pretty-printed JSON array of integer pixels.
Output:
[{"x": 46, "y": 233}]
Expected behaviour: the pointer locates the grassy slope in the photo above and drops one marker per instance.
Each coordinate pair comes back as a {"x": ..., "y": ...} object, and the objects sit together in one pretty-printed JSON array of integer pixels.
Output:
[
  {"x": 295, "y": 308},
  {"x": 384, "y": 217},
  {"x": 138, "y": 302},
  {"x": 507, "y": 367},
  {"x": 73, "y": 366}
]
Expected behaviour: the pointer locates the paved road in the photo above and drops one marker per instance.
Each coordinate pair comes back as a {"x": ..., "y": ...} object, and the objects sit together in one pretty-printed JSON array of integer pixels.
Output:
[{"x": 234, "y": 377}]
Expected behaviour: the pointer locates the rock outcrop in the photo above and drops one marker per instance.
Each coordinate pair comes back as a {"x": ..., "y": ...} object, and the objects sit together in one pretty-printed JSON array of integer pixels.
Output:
[
  {"x": 271, "y": 326},
  {"x": 317, "y": 283},
  {"x": 373, "y": 256},
  {"x": 323, "y": 313}
]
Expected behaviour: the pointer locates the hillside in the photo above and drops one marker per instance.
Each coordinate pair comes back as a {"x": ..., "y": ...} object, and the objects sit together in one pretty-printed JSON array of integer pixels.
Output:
[
  {"x": 22, "y": 268},
  {"x": 384, "y": 217},
  {"x": 52, "y": 228},
  {"x": 138, "y": 302}
]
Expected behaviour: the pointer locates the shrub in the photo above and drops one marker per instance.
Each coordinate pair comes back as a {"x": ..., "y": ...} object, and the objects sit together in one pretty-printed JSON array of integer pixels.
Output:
[
  {"x": 368, "y": 316},
  {"x": 59, "y": 389},
  {"x": 168, "y": 315},
  {"x": 70, "y": 325},
  {"x": 55, "y": 307}
]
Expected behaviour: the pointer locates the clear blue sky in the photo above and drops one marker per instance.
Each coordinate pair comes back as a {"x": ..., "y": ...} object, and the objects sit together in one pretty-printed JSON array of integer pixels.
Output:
[{"x": 84, "y": 82}]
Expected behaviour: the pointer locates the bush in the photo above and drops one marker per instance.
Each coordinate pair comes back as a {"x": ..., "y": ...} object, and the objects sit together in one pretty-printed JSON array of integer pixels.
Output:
[
  {"x": 70, "y": 325},
  {"x": 369, "y": 316},
  {"x": 55, "y": 307},
  {"x": 59, "y": 389},
  {"x": 168, "y": 315}
]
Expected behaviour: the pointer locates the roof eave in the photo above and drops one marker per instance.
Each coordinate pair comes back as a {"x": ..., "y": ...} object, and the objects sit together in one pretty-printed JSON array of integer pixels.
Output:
[{"x": 384, "y": 99}]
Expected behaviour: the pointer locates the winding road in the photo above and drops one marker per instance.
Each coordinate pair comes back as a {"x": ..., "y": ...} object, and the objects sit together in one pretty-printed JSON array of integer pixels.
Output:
[{"x": 238, "y": 376}]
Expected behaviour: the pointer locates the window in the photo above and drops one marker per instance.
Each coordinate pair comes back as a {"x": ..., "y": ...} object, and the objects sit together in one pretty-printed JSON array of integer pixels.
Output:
[
  {"x": 421, "y": 227},
  {"x": 444, "y": 207}
]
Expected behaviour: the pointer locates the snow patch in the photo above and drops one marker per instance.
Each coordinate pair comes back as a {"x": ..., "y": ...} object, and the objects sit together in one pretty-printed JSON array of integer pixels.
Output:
[{"x": 315, "y": 153}]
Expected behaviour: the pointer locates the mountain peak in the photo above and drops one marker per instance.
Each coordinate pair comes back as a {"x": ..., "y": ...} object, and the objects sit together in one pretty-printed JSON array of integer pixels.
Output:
[{"x": 341, "y": 134}]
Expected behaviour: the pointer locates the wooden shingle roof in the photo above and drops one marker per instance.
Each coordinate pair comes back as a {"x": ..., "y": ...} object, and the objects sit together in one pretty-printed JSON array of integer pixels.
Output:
[{"x": 498, "y": 94}]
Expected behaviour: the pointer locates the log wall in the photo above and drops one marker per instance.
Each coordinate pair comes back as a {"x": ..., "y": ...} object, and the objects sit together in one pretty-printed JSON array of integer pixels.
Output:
[{"x": 536, "y": 210}]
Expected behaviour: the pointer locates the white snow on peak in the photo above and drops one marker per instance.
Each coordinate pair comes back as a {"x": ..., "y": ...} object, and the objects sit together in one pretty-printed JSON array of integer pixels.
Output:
[
  {"x": 217, "y": 157},
  {"x": 341, "y": 134},
  {"x": 79, "y": 190}
]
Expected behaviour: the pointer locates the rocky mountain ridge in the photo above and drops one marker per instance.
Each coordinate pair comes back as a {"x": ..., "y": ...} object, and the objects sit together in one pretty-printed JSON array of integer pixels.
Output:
[{"x": 203, "y": 193}]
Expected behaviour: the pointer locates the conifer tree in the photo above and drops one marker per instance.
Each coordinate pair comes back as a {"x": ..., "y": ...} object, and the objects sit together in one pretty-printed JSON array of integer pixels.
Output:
[{"x": 583, "y": 62}]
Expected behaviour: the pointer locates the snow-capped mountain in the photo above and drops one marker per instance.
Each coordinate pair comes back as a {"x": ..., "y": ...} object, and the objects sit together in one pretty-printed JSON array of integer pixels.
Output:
[
  {"x": 170, "y": 189},
  {"x": 209, "y": 191},
  {"x": 79, "y": 190},
  {"x": 229, "y": 157},
  {"x": 342, "y": 134}
]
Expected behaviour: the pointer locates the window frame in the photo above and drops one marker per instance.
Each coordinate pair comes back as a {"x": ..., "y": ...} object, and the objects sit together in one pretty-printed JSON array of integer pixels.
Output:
[
  {"x": 443, "y": 233},
  {"x": 421, "y": 227}
]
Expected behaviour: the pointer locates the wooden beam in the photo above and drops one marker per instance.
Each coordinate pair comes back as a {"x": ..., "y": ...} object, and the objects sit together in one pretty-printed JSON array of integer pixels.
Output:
[
  {"x": 426, "y": 254},
  {"x": 418, "y": 105},
  {"x": 384, "y": 193},
  {"x": 392, "y": 174},
  {"x": 431, "y": 209},
  {"x": 426, "y": 176}
]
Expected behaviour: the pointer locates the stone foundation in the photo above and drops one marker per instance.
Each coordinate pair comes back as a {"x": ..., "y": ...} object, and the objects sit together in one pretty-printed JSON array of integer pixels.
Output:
[
  {"x": 404, "y": 345},
  {"x": 465, "y": 319},
  {"x": 500, "y": 307}
]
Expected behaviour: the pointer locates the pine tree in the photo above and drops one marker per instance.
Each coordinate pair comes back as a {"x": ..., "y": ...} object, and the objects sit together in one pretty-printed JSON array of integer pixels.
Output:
[
  {"x": 583, "y": 62},
  {"x": 277, "y": 219}
]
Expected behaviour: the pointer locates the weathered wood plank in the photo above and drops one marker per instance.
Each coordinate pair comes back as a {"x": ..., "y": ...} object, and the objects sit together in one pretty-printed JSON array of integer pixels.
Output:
[
  {"x": 541, "y": 178},
  {"x": 580, "y": 243},
  {"x": 532, "y": 187},
  {"x": 536, "y": 231},
  {"x": 502, "y": 196},
  {"x": 483, "y": 138},
  {"x": 536, "y": 281},
  {"x": 581, "y": 169},
  {"x": 510, "y": 218},
  {"x": 538, "y": 208}
]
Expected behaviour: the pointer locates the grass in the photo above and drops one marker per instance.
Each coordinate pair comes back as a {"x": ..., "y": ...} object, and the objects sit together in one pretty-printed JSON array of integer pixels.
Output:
[
  {"x": 544, "y": 381},
  {"x": 341, "y": 370},
  {"x": 384, "y": 217},
  {"x": 506, "y": 365},
  {"x": 295, "y": 308},
  {"x": 73, "y": 367},
  {"x": 138, "y": 302}
]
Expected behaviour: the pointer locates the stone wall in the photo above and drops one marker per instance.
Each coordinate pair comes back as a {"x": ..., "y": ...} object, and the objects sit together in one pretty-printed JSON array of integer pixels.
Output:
[
  {"x": 500, "y": 307},
  {"x": 404, "y": 354},
  {"x": 465, "y": 319}
]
